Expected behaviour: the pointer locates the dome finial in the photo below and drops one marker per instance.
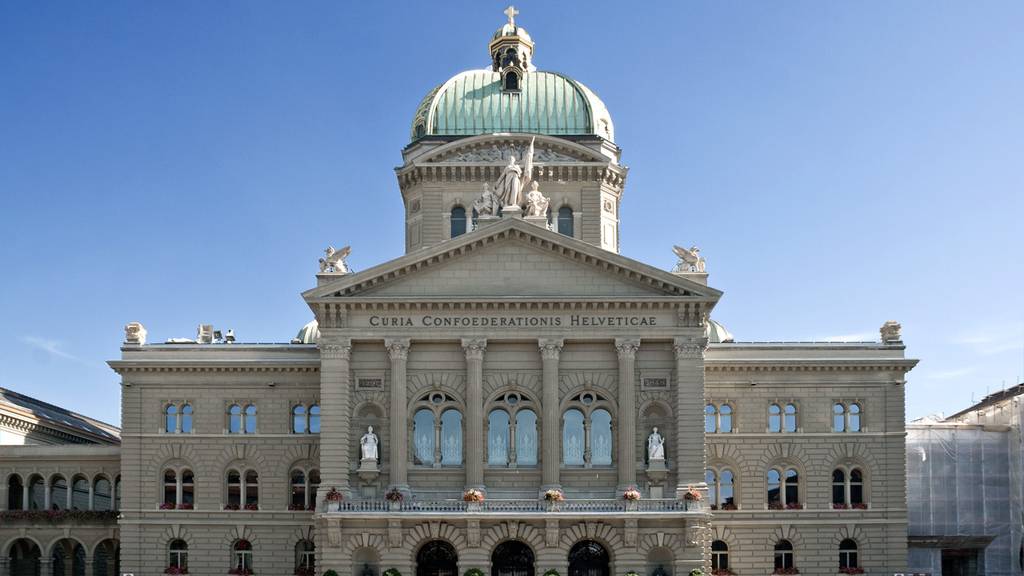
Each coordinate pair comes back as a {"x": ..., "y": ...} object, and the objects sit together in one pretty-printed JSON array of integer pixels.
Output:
[{"x": 511, "y": 12}]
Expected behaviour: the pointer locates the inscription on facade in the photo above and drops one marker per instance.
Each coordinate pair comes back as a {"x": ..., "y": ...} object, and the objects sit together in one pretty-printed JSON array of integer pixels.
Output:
[{"x": 552, "y": 321}]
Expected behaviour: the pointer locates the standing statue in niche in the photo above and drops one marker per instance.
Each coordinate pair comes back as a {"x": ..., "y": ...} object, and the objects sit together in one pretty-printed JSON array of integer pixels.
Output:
[
  {"x": 368, "y": 445},
  {"x": 536, "y": 203},
  {"x": 513, "y": 179},
  {"x": 655, "y": 446}
]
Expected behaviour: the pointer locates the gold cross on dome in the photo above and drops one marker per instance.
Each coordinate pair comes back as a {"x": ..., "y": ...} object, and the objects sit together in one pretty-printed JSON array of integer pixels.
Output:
[{"x": 511, "y": 12}]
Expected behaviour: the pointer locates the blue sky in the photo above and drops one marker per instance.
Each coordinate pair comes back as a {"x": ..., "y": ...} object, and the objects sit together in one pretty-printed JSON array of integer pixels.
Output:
[{"x": 839, "y": 163}]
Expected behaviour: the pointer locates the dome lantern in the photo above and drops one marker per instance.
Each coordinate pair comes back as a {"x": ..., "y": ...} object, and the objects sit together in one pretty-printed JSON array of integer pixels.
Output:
[{"x": 511, "y": 51}]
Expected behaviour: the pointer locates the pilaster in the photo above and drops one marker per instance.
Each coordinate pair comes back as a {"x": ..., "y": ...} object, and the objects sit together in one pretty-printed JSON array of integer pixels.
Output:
[
  {"x": 398, "y": 353},
  {"x": 626, "y": 429},
  {"x": 335, "y": 391},
  {"x": 691, "y": 449},
  {"x": 474, "y": 349},
  {"x": 550, "y": 351}
]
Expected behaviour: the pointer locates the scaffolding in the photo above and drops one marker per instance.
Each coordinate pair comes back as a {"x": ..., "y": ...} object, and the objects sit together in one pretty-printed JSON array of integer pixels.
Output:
[{"x": 964, "y": 498}]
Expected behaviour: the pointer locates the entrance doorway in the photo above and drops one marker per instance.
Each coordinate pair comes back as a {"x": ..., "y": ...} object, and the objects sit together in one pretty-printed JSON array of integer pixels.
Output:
[
  {"x": 512, "y": 558},
  {"x": 588, "y": 558},
  {"x": 959, "y": 562},
  {"x": 437, "y": 558}
]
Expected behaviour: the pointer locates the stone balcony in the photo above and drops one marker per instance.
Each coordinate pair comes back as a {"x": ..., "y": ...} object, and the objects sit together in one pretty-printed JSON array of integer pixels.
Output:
[{"x": 516, "y": 508}]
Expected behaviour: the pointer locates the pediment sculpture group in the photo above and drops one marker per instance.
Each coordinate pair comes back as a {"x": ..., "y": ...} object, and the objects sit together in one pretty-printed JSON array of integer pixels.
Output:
[
  {"x": 508, "y": 190},
  {"x": 369, "y": 446}
]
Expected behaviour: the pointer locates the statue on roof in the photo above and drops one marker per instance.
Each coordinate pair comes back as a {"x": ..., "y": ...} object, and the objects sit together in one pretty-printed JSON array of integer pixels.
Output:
[
  {"x": 487, "y": 204},
  {"x": 334, "y": 262},
  {"x": 689, "y": 260},
  {"x": 536, "y": 202},
  {"x": 513, "y": 179}
]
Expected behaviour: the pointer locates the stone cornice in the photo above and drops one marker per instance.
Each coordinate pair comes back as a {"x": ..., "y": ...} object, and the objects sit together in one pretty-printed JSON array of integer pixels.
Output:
[
  {"x": 447, "y": 173},
  {"x": 812, "y": 365},
  {"x": 197, "y": 365},
  {"x": 27, "y": 427}
]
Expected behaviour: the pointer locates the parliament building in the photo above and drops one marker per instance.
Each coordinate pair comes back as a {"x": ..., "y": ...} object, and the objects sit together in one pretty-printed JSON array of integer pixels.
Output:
[{"x": 510, "y": 397}]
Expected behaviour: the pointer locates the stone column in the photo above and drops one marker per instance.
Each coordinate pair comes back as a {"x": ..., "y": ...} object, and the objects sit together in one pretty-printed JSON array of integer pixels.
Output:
[
  {"x": 335, "y": 407},
  {"x": 474, "y": 411},
  {"x": 398, "y": 352},
  {"x": 551, "y": 425},
  {"x": 626, "y": 437},
  {"x": 690, "y": 447}
]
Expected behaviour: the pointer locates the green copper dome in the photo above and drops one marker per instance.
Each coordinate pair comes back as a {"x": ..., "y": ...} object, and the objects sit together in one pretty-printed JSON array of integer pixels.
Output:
[{"x": 473, "y": 103}]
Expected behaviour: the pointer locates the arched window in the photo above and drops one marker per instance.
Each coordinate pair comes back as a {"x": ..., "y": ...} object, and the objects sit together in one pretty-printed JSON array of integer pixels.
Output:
[
  {"x": 79, "y": 493},
  {"x": 848, "y": 555},
  {"x": 783, "y": 489},
  {"x": 573, "y": 441},
  {"x": 721, "y": 488},
  {"x": 725, "y": 418},
  {"x": 846, "y": 417},
  {"x": 719, "y": 556},
  {"x": 774, "y": 418},
  {"x": 565, "y": 221},
  {"x": 588, "y": 558},
  {"x": 498, "y": 438},
  {"x": 437, "y": 431},
  {"x": 783, "y": 556},
  {"x": 170, "y": 488},
  {"x": 314, "y": 419},
  {"x": 299, "y": 419},
  {"x": 241, "y": 557},
  {"x": 437, "y": 558},
  {"x": 838, "y": 488},
  {"x": 717, "y": 418},
  {"x": 177, "y": 555},
  {"x": 252, "y": 490},
  {"x": 305, "y": 557},
  {"x": 848, "y": 488},
  {"x": 186, "y": 419},
  {"x": 511, "y": 431},
  {"x": 36, "y": 493},
  {"x": 235, "y": 419},
  {"x": 526, "y": 438},
  {"x": 458, "y": 221},
  {"x": 117, "y": 492},
  {"x": 234, "y": 484},
  {"x": 512, "y": 558},
  {"x": 101, "y": 496},
  {"x": 710, "y": 419},
  {"x": 188, "y": 488},
  {"x": 789, "y": 422},
  {"x": 58, "y": 493},
  {"x": 250, "y": 419},
  {"x": 420, "y": 130},
  {"x": 587, "y": 431},
  {"x": 510, "y": 81},
  {"x": 451, "y": 437},
  {"x": 423, "y": 436},
  {"x": 171, "y": 419},
  {"x": 601, "y": 437},
  {"x": 15, "y": 493},
  {"x": 298, "y": 499},
  {"x": 314, "y": 485}
]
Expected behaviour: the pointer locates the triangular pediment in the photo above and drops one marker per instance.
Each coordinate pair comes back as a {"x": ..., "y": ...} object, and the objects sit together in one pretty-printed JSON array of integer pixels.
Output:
[{"x": 512, "y": 259}]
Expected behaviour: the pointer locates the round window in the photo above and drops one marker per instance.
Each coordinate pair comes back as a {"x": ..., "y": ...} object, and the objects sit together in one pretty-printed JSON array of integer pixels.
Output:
[
  {"x": 587, "y": 399},
  {"x": 437, "y": 398},
  {"x": 512, "y": 399}
]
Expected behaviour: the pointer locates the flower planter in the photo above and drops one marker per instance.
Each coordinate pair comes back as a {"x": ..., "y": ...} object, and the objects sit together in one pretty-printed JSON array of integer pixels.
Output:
[
  {"x": 632, "y": 505},
  {"x": 394, "y": 505},
  {"x": 333, "y": 506},
  {"x": 474, "y": 506}
]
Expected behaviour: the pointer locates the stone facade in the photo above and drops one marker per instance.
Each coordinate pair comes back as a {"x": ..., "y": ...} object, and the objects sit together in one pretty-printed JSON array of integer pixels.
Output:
[{"x": 522, "y": 360}]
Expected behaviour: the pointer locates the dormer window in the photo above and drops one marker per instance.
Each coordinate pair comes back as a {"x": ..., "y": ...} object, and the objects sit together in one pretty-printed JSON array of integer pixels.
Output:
[{"x": 510, "y": 81}]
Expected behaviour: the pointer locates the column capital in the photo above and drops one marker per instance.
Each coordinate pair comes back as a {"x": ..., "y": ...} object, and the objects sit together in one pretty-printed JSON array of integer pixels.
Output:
[
  {"x": 398, "y": 348},
  {"x": 690, "y": 348},
  {"x": 474, "y": 348},
  {"x": 627, "y": 347},
  {"x": 336, "y": 350},
  {"x": 550, "y": 348}
]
